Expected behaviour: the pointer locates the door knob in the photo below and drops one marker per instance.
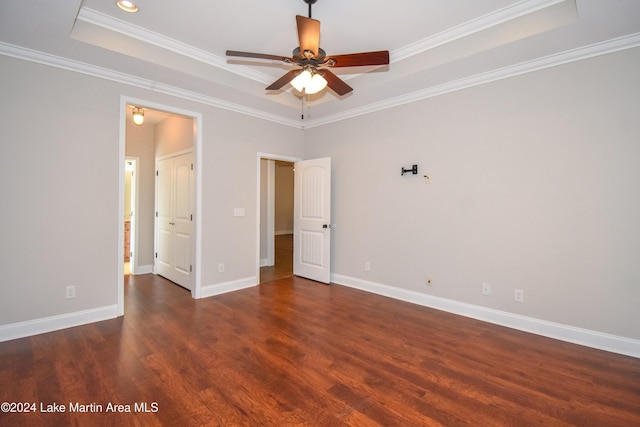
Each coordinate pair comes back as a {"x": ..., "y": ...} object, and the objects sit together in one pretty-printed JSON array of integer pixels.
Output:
[{"x": 326, "y": 225}]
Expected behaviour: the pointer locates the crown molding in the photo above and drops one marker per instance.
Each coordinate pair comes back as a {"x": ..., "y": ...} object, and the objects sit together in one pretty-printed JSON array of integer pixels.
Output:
[
  {"x": 104, "y": 73},
  {"x": 468, "y": 28},
  {"x": 110, "y": 23},
  {"x": 597, "y": 49}
]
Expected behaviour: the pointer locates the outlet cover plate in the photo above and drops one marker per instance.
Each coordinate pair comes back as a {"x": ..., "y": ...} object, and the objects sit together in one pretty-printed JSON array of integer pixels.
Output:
[
  {"x": 518, "y": 295},
  {"x": 486, "y": 289}
]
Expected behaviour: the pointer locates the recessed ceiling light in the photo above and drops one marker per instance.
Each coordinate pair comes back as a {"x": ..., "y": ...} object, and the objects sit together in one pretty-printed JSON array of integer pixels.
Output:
[{"x": 127, "y": 6}]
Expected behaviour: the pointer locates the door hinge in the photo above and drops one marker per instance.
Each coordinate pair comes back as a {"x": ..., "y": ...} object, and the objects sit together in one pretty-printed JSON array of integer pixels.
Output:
[
  {"x": 190, "y": 268},
  {"x": 191, "y": 217},
  {"x": 156, "y": 214},
  {"x": 156, "y": 173},
  {"x": 156, "y": 254},
  {"x": 191, "y": 166}
]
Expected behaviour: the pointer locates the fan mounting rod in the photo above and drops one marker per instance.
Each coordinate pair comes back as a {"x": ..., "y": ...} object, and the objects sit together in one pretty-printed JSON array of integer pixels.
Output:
[{"x": 310, "y": 2}]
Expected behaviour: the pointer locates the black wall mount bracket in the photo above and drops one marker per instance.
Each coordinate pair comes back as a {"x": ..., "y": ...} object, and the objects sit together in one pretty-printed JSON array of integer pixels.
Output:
[{"x": 413, "y": 170}]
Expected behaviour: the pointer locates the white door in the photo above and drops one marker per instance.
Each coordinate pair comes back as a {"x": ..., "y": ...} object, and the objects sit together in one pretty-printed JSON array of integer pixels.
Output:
[
  {"x": 312, "y": 219},
  {"x": 175, "y": 189}
]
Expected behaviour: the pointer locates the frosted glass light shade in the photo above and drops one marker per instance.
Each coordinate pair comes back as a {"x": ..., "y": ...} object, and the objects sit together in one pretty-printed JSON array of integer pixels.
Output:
[
  {"x": 309, "y": 82},
  {"x": 316, "y": 84},
  {"x": 138, "y": 116},
  {"x": 302, "y": 80}
]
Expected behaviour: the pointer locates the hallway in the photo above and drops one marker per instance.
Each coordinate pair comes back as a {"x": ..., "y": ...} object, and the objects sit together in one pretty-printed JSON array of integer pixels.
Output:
[{"x": 283, "y": 260}]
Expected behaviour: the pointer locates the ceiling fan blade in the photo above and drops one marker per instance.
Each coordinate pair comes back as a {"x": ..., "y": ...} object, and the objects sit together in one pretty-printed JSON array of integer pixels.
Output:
[
  {"x": 335, "y": 83},
  {"x": 308, "y": 34},
  {"x": 278, "y": 84},
  {"x": 257, "y": 55},
  {"x": 380, "y": 57}
]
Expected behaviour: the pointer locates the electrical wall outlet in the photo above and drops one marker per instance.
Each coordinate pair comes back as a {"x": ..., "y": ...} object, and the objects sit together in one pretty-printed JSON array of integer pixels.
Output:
[
  {"x": 518, "y": 295},
  {"x": 70, "y": 292},
  {"x": 486, "y": 289},
  {"x": 221, "y": 268},
  {"x": 367, "y": 266}
]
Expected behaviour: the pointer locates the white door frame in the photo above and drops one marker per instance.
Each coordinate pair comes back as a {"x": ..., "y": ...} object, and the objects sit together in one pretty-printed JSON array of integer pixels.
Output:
[
  {"x": 197, "y": 154},
  {"x": 270, "y": 204},
  {"x": 133, "y": 236},
  {"x": 271, "y": 208}
]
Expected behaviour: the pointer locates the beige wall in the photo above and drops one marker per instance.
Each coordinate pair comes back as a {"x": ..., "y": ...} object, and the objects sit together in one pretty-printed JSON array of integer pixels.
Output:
[
  {"x": 264, "y": 249},
  {"x": 128, "y": 175},
  {"x": 534, "y": 185},
  {"x": 284, "y": 198},
  {"x": 173, "y": 134},
  {"x": 140, "y": 143},
  {"x": 67, "y": 231}
]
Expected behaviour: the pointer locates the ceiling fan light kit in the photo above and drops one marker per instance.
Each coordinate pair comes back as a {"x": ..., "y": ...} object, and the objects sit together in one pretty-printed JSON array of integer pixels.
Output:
[
  {"x": 309, "y": 81},
  {"x": 315, "y": 74}
]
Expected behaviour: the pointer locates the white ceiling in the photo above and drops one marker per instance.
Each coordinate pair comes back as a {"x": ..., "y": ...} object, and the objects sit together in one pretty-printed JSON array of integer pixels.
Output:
[{"x": 436, "y": 46}]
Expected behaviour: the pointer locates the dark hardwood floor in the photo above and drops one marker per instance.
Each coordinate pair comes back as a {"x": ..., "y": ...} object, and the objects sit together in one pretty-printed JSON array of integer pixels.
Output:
[
  {"x": 283, "y": 258},
  {"x": 296, "y": 352}
]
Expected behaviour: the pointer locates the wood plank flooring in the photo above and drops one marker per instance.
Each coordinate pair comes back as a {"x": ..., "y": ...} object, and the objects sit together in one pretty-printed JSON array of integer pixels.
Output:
[
  {"x": 283, "y": 257},
  {"x": 295, "y": 352}
]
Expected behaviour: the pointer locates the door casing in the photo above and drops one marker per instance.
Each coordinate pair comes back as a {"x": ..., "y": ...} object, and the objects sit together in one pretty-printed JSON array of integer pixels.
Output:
[{"x": 133, "y": 243}]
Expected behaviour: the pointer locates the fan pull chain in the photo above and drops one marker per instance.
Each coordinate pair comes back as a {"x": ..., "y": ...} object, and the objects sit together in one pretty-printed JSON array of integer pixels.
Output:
[{"x": 308, "y": 106}]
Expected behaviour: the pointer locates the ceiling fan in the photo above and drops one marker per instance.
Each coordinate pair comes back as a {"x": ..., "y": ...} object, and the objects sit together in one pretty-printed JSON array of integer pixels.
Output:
[{"x": 314, "y": 74}]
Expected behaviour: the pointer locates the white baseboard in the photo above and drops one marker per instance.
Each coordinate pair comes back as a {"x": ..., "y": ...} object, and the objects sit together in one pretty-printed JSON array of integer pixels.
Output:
[
  {"x": 599, "y": 340},
  {"x": 144, "y": 269},
  {"x": 594, "y": 339},
  {"x": 54, "y": 323},
  {"x": 264, "y": 262},
  {"x": 222, "y": 288}
]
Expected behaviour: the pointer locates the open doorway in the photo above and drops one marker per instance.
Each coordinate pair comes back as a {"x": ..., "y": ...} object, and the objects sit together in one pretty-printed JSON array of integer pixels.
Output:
[
  {"x": 142, "y": 144},
  {"x": 130, "y": 208},
  {"x": 276, "y": 191}
]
